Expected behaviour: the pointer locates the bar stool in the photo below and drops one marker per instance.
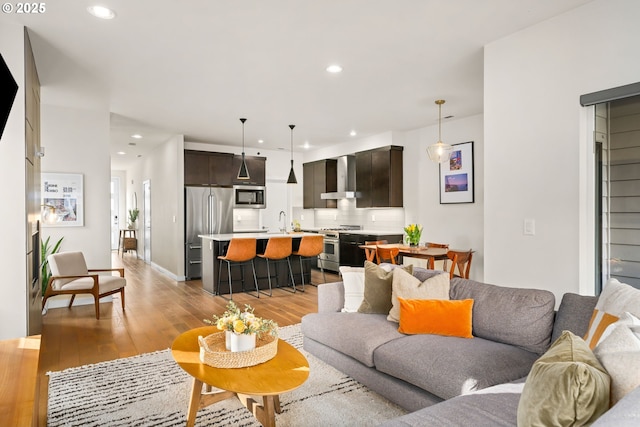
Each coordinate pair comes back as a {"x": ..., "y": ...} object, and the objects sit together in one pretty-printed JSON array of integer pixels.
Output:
[
  {"x": 310, "y": 248},
  {"x": 278, "y": 249},
  {"x": 241, "y": 251}
]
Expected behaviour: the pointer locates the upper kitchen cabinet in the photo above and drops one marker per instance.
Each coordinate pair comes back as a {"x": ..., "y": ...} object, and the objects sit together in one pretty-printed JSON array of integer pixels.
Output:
[
  {"x": 220, "y": 169},
  {"x": 206, "y": 168},
  {"x": 319, "y": 177},
  {"x": 379, "y": 178},
  {"x": 209, "y": 168},
  {"x": 256, "y": 167}
]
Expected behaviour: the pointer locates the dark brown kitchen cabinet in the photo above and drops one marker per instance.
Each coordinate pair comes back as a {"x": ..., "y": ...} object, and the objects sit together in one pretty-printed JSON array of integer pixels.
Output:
[
  {"x": 379, "y": 177},
  {"x": 196, "y": 168},
  {"x": 256, "y": 167},
  {"x": 210, "y": 168},
  {"x": 319, "y": 177},
  {"x": 220, "y": 169}
]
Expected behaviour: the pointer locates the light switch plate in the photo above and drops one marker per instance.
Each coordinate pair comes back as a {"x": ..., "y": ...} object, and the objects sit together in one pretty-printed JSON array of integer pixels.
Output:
[{"x": 529, "y": 227}]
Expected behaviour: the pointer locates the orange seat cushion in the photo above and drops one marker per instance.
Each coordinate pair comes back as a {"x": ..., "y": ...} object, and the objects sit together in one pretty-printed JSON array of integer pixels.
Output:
[{"x": 438, "y": 317}]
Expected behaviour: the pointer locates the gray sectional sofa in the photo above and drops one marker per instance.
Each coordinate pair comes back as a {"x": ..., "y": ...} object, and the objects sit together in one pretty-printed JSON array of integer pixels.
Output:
[{"x": 477, "y": 380}]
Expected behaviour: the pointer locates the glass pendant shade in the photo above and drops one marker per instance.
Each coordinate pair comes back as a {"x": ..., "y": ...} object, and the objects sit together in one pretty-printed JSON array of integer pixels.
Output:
[
  {"x": 292, "y": 175},
  {"x": 439, "y": 152},
  {"x": 243, "y": 172}
]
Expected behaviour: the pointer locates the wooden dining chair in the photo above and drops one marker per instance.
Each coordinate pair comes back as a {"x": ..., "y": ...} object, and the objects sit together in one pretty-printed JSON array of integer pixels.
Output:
[
  {"x": 384, "y": 254},
  {"x": 462, "y": 260},
  {"x": 370, "y": 254},
  {"x": 442, "y": 264}
]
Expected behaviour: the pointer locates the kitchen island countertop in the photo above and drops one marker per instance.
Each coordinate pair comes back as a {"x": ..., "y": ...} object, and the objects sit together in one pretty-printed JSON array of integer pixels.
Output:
[{"x": 260, "y": 236}]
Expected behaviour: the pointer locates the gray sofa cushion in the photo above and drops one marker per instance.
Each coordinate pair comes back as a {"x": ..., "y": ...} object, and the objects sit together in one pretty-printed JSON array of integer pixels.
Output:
[
  {"x": 450, "y": 366},
  {"x": 521, "y": 317},
  {"x": 354, "y": 334},
  {"x": 573, "y": 315},
  {"x": 494, "y": 407}
]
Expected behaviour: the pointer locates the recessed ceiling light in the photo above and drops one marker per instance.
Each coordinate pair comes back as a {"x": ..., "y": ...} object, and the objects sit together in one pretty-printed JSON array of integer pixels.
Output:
[
  {"x": 101, "y": 12},
  {"x": 136, "y": 136},
  {"x": 133, "y": 144},
  {"x": 334, "y": 68},
  {"x": 353, "y": 133},
  {"x": 260, "y": 141},
  {"x": 306, "y": 145},
  {"x": 122, "y": 153}
]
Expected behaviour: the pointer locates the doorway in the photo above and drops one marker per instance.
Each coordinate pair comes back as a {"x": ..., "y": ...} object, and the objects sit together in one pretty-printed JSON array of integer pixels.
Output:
[
  {"x": 115, "y": 212},
  {"x": 146, "y": 185}
]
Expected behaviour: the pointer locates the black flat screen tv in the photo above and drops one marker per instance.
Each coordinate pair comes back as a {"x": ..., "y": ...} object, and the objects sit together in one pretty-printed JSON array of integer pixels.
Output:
[{"x": 8, "y": 90}]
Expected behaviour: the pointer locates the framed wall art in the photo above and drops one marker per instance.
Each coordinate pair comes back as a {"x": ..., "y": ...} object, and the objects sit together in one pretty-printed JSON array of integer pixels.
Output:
[
  {"x": 456, "y": 175},
  {"x": 62, "y": 200}
]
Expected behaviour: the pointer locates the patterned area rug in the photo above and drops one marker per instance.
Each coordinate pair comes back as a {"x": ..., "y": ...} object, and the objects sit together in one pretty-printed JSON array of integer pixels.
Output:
[{"x": 152, "y": 390}]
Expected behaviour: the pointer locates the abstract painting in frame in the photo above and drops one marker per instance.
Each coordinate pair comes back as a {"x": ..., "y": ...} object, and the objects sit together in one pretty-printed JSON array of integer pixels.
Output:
[{"x": 456, "y": 175}]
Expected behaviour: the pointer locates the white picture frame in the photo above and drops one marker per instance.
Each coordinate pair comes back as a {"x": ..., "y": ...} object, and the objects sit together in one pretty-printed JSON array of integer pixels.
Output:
[
  {"x": 456, "y": 175},
  {"x": 62, "y": 200}
]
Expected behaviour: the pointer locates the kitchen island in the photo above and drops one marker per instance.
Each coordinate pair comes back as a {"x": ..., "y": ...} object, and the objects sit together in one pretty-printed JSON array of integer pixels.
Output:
[{"x": 214, "y": 245}]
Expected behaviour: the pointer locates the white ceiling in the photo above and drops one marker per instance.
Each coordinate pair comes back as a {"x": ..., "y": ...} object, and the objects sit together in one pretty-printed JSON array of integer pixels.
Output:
[{"x": 194, "y": 67}]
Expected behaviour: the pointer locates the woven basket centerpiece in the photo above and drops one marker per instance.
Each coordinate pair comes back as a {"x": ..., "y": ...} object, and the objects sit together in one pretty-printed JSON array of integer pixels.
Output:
[{"x": 213, "y": 351}]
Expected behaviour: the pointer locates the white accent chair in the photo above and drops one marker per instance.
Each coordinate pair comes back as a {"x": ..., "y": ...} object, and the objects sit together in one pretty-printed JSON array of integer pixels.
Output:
[{"x": 70, "y": 276}]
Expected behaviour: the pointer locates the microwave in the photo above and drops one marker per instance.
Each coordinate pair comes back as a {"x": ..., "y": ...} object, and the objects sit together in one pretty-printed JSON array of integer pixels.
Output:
[{"x": 247, "y": 196}]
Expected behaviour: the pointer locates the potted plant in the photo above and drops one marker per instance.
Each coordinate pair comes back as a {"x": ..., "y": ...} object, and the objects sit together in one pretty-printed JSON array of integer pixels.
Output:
[
  {"x": 414, "y": 231},
  {"x": 241, "y": 327},
  {"x": 133, "y": 217},
  {"x": 45, "y": 251}
]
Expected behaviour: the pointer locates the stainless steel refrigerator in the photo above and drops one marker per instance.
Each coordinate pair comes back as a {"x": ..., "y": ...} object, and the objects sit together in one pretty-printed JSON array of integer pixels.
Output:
[{"x": 208, "y": 210}]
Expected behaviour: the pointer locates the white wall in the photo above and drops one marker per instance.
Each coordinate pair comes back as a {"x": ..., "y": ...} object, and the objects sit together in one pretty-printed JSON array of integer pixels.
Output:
[
  {"x": 77, "y": 141},
  {"x": 459, "y": 225},
  {"x": 13, "y": 247},
  {"x": 538, "y": 159},
  {"x": 164, "y": 169}
]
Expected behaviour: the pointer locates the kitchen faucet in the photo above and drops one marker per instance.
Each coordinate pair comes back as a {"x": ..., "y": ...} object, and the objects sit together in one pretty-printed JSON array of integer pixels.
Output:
[{"x": 284, "y": 223}]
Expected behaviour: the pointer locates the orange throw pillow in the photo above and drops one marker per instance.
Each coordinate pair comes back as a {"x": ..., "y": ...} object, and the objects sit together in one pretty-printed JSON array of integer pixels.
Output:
[{"x": 438, "y": 317}]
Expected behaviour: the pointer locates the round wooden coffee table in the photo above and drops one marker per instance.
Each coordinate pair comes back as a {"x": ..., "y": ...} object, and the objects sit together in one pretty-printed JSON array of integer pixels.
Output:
[{"x": 287, "y": 371}]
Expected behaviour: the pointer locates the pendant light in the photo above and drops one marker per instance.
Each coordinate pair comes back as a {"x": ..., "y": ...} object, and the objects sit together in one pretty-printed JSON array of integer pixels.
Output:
[
  {"x": 243, "y": 172},
  {"x": 292, "y": 175},
  {"x": 439, "y": 152}
]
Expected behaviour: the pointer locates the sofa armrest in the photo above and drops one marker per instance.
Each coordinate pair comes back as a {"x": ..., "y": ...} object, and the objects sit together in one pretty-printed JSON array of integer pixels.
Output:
[
  {"x": 625, "y": 413},
  {"x": 330, "y": 297}
]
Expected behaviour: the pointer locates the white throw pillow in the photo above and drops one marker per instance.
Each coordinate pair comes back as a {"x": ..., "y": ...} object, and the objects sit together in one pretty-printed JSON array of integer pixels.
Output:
[
  {"x": 616, "y": 299},
  {"x": 406, "y": 286},
  {"x": 619, "y": 352},
  {"x": 353, "y": 280}
]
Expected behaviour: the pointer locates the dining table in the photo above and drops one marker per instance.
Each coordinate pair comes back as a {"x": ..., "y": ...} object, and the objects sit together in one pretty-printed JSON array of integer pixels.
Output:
[{"x": 423, "y": 252}]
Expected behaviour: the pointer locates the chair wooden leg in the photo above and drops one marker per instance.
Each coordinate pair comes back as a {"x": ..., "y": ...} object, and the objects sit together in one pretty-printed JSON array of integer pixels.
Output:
[
  {"x": 71, "y": 301},
  {"x": 96, "y": 299},
  {"x": 122, "y": 298}
]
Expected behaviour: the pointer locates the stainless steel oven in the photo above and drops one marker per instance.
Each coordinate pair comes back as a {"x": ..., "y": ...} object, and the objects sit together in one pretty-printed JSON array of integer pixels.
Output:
[{"x": 329, "y": 259}]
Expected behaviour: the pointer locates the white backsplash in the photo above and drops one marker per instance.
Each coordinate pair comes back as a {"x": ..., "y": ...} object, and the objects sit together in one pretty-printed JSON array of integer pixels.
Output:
[
  {"x": 382, "y": 219},
  {"x": 246, "y": 219}
]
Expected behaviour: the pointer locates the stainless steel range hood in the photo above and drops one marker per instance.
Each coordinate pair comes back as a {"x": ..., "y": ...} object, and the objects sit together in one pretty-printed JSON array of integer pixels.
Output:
[{"x": 346, "y": 168}]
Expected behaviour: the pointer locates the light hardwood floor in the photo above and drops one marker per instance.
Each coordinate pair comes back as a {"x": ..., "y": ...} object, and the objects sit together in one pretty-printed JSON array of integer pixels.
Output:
[{"x": 157, "y": 310}]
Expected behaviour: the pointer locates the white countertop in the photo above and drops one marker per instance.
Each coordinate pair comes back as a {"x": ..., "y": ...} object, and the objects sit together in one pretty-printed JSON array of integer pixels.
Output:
[{"x": 259, "y": 236}]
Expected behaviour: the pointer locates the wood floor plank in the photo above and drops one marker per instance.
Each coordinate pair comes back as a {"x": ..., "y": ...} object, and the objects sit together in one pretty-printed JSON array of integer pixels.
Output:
[{"x": 157, "y": 310}]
